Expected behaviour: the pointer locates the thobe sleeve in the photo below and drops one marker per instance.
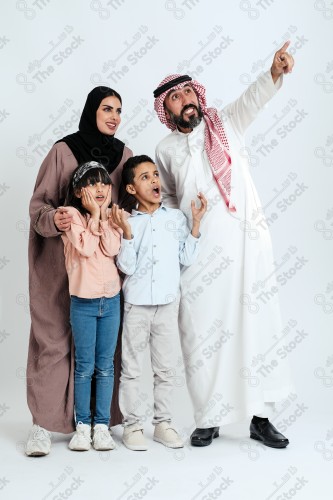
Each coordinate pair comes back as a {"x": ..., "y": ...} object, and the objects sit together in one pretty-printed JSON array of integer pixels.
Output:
[
  {"x": 49, "y": 191},
  {"x": 188, "y": 244},
  {"x": 127, "y": 258},
  {"x": 85, "y": 238},
  {"x": 168, "y": 185},
  {"x": 245, "y": 109}
]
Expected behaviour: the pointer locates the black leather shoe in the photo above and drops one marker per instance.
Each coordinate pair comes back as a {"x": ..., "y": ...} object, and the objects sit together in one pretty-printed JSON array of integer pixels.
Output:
[
  {"x": 262, "y": 430},
  {"x": 204, "y": 437}
]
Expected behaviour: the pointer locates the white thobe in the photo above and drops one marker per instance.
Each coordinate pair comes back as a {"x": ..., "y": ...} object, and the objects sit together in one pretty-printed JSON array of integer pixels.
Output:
[{"x": 229, "y": 337}]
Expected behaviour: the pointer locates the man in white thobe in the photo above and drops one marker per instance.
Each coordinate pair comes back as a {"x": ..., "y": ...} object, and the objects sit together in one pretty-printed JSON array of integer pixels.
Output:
[{"x": 228, "y": 336}]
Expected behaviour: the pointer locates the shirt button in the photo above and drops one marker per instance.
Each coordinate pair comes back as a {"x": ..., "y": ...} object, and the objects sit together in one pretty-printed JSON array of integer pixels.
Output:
[
  {"x": 153, "y": 281},
  {"x": 154, "y": 246}
]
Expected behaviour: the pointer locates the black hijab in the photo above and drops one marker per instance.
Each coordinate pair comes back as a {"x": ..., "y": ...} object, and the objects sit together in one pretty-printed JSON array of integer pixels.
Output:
[{"x": 89, "y": 143}]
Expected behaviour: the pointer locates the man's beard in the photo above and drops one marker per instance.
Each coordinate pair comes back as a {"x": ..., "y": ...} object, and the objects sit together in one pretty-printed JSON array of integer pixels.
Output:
[{"x": 193, "y": 121}]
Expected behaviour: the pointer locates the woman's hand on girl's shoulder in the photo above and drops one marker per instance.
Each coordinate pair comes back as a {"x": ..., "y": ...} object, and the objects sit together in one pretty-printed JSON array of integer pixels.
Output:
[{"x": 63, "y": 218}]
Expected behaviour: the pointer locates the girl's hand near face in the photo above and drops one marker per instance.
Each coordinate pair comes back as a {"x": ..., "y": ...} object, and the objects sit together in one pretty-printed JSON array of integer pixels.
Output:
[
  {"x": 106, "y": 204},
  {"x": 90, "y": 204}
]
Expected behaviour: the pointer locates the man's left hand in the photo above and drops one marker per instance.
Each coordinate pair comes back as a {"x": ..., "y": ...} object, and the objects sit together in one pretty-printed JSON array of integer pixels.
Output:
[{"x": 282, "y": 62}]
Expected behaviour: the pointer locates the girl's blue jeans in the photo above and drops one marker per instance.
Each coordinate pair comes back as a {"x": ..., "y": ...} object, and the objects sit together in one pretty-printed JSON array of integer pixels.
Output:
[{"x": 95, "y": 325}]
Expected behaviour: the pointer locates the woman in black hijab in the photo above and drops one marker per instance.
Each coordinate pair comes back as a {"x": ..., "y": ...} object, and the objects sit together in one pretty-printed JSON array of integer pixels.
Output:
[{"x": 50, "y": 367}]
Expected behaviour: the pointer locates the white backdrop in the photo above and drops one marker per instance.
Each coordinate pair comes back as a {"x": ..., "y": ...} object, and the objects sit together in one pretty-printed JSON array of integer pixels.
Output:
[{"x": 53, "y": 53}]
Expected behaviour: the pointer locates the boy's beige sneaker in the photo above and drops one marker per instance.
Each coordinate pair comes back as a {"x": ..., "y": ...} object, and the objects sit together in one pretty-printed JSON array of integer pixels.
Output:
[
  {"x": 133, "y": 438},
  {"x": 81, "y": 439},
  {"x": 167, "y": 435},
  {"x": 39, "y": 442}
]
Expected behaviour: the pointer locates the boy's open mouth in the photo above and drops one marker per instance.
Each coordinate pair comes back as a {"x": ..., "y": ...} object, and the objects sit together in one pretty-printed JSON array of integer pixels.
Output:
[{"x": 156, "y": 191}]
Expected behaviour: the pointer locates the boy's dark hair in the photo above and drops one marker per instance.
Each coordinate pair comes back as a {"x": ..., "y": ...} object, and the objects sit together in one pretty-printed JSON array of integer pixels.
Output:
[
  {"x": 130, "y": 165},
  {"x": 98, "y": 174}
]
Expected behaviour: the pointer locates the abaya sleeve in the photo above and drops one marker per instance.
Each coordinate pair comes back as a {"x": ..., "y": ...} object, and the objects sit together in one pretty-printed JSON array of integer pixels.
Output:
[{"x": 50, "y": 189}]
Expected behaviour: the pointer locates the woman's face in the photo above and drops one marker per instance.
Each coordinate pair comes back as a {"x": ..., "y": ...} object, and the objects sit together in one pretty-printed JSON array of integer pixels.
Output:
[{"x": 108, "y": 115}]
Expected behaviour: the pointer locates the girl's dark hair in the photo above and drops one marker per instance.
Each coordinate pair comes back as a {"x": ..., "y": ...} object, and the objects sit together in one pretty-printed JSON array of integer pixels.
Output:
[
  {"x": 130, "y": 165},
  {"x": 93, "y": 175}
]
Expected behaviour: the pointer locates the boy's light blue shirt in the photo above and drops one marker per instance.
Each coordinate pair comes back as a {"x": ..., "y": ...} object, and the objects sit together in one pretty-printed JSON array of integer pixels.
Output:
[{"x": 151, "y": 259}]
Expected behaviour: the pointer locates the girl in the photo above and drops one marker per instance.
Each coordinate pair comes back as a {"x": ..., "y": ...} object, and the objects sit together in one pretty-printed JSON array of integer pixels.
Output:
[{"x": 94, "y": 284}]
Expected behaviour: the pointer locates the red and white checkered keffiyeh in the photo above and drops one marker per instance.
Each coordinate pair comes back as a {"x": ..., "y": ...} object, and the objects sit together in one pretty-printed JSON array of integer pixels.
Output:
[{"x": 216, "y": 142}]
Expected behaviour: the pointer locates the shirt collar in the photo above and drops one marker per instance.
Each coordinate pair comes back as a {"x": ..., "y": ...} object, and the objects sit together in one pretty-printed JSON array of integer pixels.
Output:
[{"x": 137, "y": 212}]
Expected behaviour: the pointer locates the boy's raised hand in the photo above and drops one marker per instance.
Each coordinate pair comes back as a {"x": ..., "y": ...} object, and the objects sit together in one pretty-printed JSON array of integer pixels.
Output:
[
  {"x": 198, "y": 213},
  {"x": 118, "y": 217}
]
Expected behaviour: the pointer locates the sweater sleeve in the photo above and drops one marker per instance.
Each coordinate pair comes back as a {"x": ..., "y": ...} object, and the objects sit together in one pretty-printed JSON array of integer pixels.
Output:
[
  {"x": 110, "y": 238},
  {"x": 84, "y": 237}
]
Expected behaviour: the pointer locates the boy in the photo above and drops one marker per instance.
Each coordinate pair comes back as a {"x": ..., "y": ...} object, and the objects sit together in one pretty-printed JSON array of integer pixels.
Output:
[{"x": 155, "y": 240}]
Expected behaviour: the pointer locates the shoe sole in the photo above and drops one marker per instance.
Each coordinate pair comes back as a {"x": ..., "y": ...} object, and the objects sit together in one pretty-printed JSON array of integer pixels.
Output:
[
  {"x": 135, "y": 448},
  {"x": 202, "y": 442},
  {"x": 107, "y": 448},
  {"x": 79, "y": 449},
  {"x": 270, "y": 445},
  {"x": 37, "y": 454},
  {"x": 168, "y": 445}
]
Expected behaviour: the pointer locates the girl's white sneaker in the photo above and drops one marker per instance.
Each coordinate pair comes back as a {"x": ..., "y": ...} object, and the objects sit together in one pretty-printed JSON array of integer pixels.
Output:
[
  {"x": 102, "y": 439},
  {"x": 81, "y": 439}
]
